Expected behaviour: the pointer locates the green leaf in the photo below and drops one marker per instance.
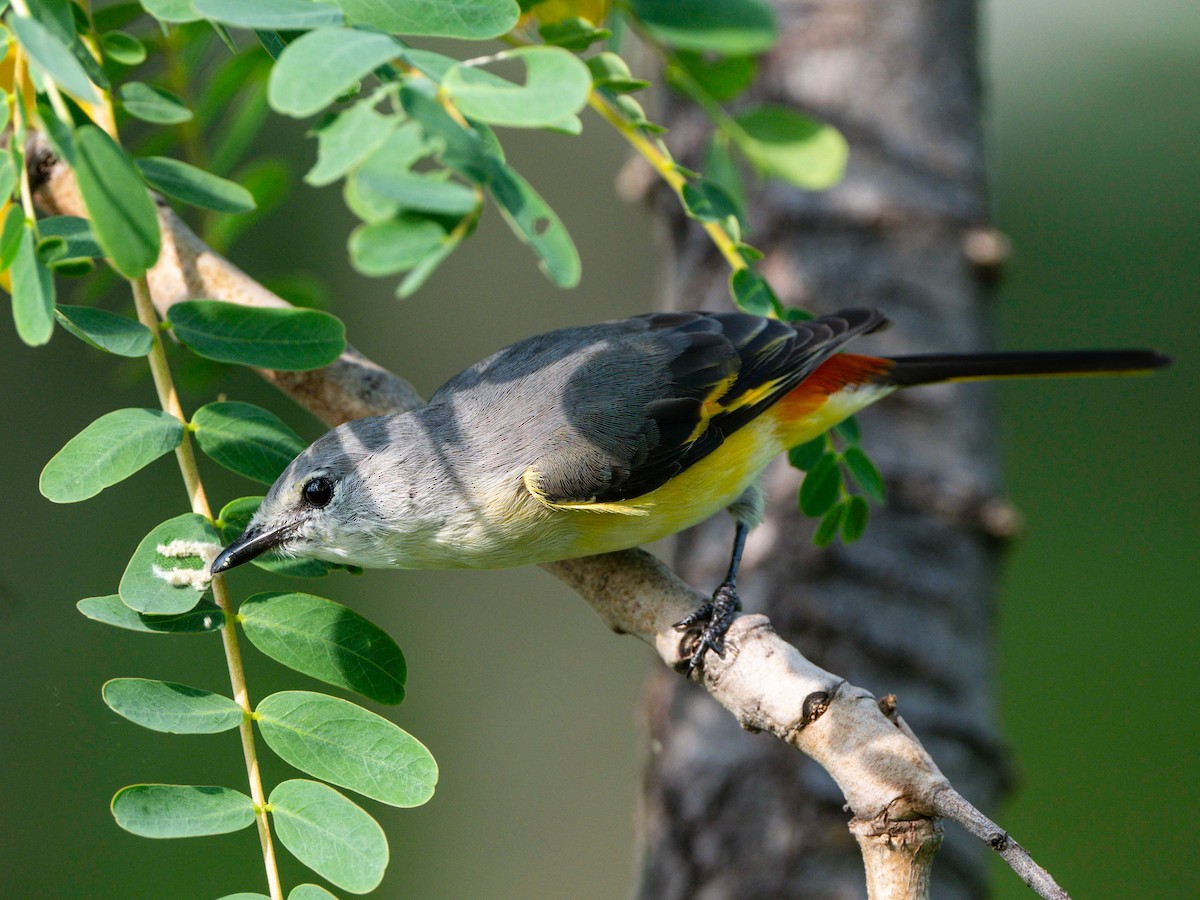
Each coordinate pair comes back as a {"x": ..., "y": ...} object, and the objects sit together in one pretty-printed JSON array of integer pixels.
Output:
[
  {"x": 54, "y": 57},
  {"x": 105, "y": 331},
  {"x": 721, "y": 170},
  {"x": 10, "y": 236},
  {"x": 169, "y": 707},
  {"x": 344, "y": 744},
  {"x": 206, "y": 616},
  {"x": 320, "y": 66},
  {"x": 784, "y": 144},
  {"x": 706, "y": 201},
  {"x": 728, "y": 27},
  {"x": 174, "y": 11},
  {"x": 468, "y": 19},
  {"x": 425, "y": 192},
  {"x": 181, "y": 810},
  {"x": 828, "y": 528},
  {"x": 123, "y": 48},
  {"x": 153, "y": 104},
  {"x": 191, "y": 185},
  {"x": 32, "y": 292},
  {"x": 721, "y": 77},
  {"x": 807, "y": 455},
  {"x": 347, "y": 139},
  {"x": 310, "y": 892},
  {"x": 573, "y": 33},
  {"x": 327, "y": 641},
  {"x": 8, "y": 170},
  {"x": 848, "y": 429},
  {"x": 556, "y": 86},
  {"x": 610, "y": 73},
  {"x": 168, "y": 572},
  {"x": 76, "y": 231},
  {"x": 246, "y": 439},
  {"x": 289, "y": 339},
  {"x": 108, "y": 451},
  {"x": 536, "y": 224},
  {"x": 751, "y": 293},
  {"x": 854, "y": 523},
  {"x": 123, "y": 215},
  {"x": 821, "y": 486},
  {"x": 234, "y": 518},
  {"x": 247, "y": 895},
  {"x": 330, "y": 834},
  {"x": 272, "y": 15},
  {"x": 863, "y": 471},
  {"x": 396, "y": 245}
]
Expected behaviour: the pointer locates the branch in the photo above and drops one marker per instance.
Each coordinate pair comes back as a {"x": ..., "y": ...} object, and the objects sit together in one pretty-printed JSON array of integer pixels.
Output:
[{"x": 891, "y": 784}]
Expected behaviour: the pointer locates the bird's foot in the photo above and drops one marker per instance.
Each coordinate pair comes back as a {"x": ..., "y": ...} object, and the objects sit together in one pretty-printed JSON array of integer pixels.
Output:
[{"x": 715, "y": 616}]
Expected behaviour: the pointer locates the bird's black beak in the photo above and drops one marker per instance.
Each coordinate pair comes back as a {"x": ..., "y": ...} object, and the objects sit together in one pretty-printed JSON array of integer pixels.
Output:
[{"x": 250, "y": 543}]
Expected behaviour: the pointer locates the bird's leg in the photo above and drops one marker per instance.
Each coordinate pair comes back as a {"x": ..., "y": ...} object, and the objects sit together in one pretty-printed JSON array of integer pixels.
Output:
[{"x": 717, "y": 615}]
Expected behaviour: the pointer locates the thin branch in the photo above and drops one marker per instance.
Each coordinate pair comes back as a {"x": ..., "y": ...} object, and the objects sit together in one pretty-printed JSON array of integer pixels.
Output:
[{"x": 889, "y": 780}]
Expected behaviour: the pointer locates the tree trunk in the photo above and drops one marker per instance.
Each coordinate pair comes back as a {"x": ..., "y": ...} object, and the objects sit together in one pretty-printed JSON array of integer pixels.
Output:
[{"x": 909, "y": 609}]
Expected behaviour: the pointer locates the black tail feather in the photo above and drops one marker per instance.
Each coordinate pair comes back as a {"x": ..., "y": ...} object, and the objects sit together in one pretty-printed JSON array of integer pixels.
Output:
[{"x": 934, "y": 367}]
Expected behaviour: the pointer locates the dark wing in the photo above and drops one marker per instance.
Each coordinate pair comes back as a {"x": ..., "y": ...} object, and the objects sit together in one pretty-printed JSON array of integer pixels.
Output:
[{"x": 720, "y": 370}]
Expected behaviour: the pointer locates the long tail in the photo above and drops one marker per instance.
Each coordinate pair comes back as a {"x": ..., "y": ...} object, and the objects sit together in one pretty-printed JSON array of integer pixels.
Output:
[{"x": 906, "y": 371}]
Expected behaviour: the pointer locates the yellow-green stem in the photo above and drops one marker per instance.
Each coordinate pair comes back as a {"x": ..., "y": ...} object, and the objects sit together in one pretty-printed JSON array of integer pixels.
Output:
[
  {"x": 666, "y": 169},
  {"x": 186, "y": 456}
]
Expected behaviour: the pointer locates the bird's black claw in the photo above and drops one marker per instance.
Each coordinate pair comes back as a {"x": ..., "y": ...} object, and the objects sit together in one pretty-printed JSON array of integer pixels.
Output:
[{"x": 716, "y": 617}]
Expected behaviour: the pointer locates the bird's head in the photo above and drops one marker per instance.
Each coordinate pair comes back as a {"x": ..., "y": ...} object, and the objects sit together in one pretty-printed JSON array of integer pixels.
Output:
[{"x": 330, "y": 503}]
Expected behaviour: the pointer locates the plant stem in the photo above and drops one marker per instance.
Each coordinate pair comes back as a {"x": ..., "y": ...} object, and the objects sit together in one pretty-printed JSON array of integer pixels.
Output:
[
  {"x": 185, "y": 454},
  {"x": 662, "y": 163}
]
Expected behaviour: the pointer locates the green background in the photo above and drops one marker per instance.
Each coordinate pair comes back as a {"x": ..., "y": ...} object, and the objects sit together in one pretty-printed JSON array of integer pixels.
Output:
[{"x": 527, "y": 702}]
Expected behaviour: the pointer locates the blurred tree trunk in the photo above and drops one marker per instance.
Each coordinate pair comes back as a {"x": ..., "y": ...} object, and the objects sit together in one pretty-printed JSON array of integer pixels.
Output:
[{"x": 910, "y": 609}]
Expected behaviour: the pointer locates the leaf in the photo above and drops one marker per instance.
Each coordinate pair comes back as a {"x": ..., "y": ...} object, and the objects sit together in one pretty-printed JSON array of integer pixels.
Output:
[
  {"x": 807, "y": 455},
  {"x": 752, "y": 294},
  {"x": 610, "y": 73},
  {"x": 854, "y": 523},
  {"x": 310, "y": 892},
  {"x": 396, "y": 245},
  {"x": 108, "y": 451},
  {"x": 431, "y": 193},
  {"x": 728, "y": 27},
  {"x": 536, "y": 224},
  {"x": 10, "y": 236},
  {"x": 32, "y": 293},
  {"x": 572, "y": 33},
  {"x": 330, "y": 834},
  {"x": 795, "y": 148},
  {"x": 123, "y": 216},
  {"x": 469, "y": 19},
  {"x": 234, "y": 518},
  {"x": 828, "y": 528},
  {"x": 722, "y": 77},
  {"x": 276, "y": 15},
  {"x": 706, "y": 201},
  {"x": 556, "y": 87},
  {"x": 181, "y": 810},
  {"x": 8, "y": 170},
  {"x": 123, "y": 48},
  {"x": 821, "y": 486},
  {"x": 206, "y": 616},
  {"x": 174, "y": 11},
  {"x": 246, "y": 439},
  {"x": 848, "y": 429},
  {"x": 327, "y": 641},
  {"x": 344, "y": 744},
  {"x": 171, "y": 708},
  {"x": 168, "y": 572},
  {"x": 49, "y": 52},
  {"x": 76, "y": 231},
  {"x": 191, "y": 185},
  {"x": 320, "y": 66},
  {"x": 347, "y": 139},
  {"x": 105, "y": 331},
  {"x": 289, "y": 339},
  {"x": 153, "y": 104},
  {"x": 721, "y": 170},
  {"x": 863, "y": 471}
]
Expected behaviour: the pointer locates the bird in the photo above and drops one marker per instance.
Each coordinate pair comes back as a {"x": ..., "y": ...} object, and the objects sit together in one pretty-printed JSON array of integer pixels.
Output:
[{"x": 600, "y": 438}]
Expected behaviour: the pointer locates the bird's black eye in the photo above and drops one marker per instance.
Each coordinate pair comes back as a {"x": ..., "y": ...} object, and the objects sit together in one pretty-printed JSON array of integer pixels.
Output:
[{"x": 318, "y": 492}]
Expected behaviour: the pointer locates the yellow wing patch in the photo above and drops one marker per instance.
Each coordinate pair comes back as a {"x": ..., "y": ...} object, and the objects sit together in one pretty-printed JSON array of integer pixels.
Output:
[{"x": 621, "y": 507}]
